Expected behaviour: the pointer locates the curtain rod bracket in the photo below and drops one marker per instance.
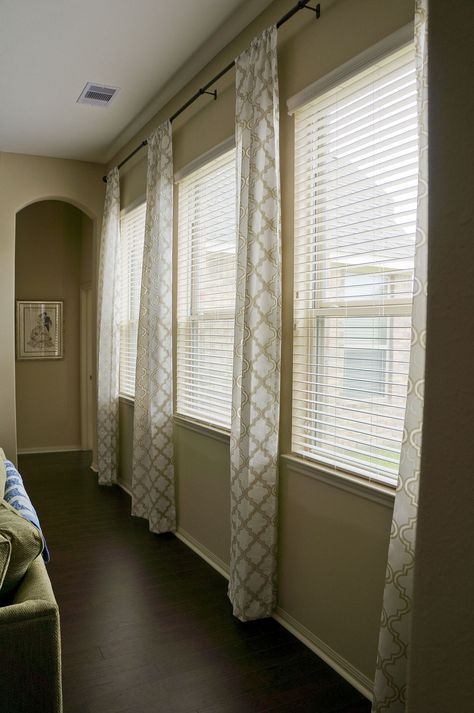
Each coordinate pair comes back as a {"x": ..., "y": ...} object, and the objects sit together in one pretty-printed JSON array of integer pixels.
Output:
[
  {"x": 300, "y": 5},
  {"x": 213, "y": 94},
  {"x": 317, "y": 9}
]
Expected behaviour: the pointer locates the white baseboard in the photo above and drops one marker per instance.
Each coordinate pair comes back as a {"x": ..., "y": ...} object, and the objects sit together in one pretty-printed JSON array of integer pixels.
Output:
[
  {"x": 94, "y": 468},
  {"x": 124, "y": 487},
  {"x": 337, "y": 662},
  {"x": 48, "y": 449},
  {"x": 345, "y": 669},
  {"x": 203, "y": 552}
]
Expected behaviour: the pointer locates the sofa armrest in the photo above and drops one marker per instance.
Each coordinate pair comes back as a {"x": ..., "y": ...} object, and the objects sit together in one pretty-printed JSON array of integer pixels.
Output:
[
  {"x": 35, "y": 585},
  {"x": 30, "y": 648}
]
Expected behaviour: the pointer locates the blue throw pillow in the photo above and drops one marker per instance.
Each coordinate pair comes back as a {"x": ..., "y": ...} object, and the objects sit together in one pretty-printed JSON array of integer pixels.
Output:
[{"x": 17, "y": 497}]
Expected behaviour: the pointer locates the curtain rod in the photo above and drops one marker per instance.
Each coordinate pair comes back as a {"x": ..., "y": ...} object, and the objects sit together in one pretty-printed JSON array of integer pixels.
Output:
[{"x": 301, "y": 5}]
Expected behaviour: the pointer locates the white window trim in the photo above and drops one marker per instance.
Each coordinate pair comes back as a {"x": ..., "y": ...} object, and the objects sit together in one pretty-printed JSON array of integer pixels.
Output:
[
  {"x": 205, "y": 429},
  {"x": 391, "y": 43},
  {"x": 342, "y": 480},
  {"x": 139, "y": 201},
  {"x": 134, "y": 204},
  {"x": 127, "y": 399},
  {"x": 349, "y": 480},
  {"x": 204, "y": 158},
  {"x": 188, "y": 420}
]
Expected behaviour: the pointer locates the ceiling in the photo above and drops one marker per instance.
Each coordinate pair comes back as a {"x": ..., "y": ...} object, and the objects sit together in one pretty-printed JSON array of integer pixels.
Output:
[{"x": 50, "y": 49}]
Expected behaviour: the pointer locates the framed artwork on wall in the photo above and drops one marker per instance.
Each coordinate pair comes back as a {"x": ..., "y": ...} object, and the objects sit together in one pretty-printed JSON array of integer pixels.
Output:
[{"x": 39, "y": 329}]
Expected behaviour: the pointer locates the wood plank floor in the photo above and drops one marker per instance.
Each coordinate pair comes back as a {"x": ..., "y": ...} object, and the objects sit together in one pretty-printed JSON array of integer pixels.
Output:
[{"x": 146, "y": 624}]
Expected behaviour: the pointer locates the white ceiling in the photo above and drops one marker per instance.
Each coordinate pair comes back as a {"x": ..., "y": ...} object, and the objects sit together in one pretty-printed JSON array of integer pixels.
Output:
[{"x": 49, "y": 49}]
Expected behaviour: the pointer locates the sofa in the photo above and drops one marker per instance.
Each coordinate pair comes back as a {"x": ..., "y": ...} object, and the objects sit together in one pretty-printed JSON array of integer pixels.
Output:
[{"x": 30, "y": 647}]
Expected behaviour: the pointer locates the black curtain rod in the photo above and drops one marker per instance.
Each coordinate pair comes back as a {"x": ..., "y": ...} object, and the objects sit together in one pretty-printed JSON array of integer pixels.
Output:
[{"x": 301, "y": 5}]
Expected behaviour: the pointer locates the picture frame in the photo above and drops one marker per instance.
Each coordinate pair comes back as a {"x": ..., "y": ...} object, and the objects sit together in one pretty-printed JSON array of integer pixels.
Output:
[{"x": 39, "y": 329}]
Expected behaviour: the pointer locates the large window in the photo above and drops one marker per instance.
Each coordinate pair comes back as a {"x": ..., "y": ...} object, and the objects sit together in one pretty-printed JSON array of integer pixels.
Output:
[
  {"x": 206, "y": 291},
  {"x": 132, "y": 232},
  {"x": 355, "y": 216}
]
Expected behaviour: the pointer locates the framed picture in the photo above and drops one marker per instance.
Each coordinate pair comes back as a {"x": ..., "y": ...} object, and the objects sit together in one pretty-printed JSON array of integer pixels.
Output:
[{"x": 39, "y": 330}]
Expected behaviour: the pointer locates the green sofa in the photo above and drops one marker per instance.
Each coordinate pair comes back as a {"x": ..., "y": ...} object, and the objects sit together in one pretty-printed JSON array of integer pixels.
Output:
[{"x": 30, "y": 645}]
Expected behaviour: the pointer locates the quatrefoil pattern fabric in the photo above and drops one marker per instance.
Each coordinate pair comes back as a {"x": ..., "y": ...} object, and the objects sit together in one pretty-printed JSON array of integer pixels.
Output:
[
  {"x": 256, "y": 376},
  {"x": 108, "y": 327},
  {"x": 390, "y": 695},
  {"x": 153, "y": 489}
]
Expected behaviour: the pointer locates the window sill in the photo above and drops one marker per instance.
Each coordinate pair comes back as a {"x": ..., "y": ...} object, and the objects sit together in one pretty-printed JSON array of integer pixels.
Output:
[
  {"x": 127, "y": 400},
  {"x": 370, "y": 490},
  {"x": 203, "y": 428}
]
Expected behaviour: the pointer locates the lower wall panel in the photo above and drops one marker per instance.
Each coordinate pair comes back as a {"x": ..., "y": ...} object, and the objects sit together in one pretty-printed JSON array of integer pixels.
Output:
[
  {"x": 331, "y": 566},
  {"x": 332, "y": 547},
  {"x": 203, "y": 490}
]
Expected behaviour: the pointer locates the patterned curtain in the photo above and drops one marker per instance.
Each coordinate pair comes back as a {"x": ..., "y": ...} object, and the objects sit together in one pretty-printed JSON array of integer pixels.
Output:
[
  {"x": 153, "y": 495},
  {"x": 108, "y": 347},
  {"x": 395, "y": 631},
  {"x": 256, "y": 378}
]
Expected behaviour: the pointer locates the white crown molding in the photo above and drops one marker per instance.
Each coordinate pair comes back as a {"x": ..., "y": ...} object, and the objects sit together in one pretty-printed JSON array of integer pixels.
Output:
[{"x": 227, "y": 32}]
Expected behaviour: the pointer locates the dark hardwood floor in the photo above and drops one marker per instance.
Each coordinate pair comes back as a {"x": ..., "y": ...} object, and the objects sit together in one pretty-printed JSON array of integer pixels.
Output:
[{"x": 146, "y": 624}]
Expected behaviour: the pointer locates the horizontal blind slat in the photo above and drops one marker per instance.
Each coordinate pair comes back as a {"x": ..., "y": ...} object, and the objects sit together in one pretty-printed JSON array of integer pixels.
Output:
[
  {"x": 132, "y": 234},
  {"x": 355, "y": 219},
  {"x": 207, "y": 241}
]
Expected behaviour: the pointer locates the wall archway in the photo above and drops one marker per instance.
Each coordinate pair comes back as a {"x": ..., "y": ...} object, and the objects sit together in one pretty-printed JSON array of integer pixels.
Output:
[
  {"x": 26, "y": 180},
  {"x": 54, "y": 261},
  {"x": 64, "y": 199}
]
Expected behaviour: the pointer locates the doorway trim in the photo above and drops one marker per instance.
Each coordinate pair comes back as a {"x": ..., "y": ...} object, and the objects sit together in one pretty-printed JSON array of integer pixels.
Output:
[{"x": 86, "y": 368}]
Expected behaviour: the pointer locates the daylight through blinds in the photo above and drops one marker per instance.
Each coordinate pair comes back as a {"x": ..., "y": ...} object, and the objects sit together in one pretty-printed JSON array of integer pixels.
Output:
[
  {"x": 206, "y": 291},
  {"x": 356, "y": 167},
  {"x": 132, "y": 232}
]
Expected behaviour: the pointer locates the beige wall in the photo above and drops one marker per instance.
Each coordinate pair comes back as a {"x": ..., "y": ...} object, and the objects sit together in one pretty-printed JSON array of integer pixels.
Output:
[
  {"x": 87, "y": 250},
  {"x": 24, "y": 180},
  {"x": 48, "y": 265},
  {"x": 441, "y": 676},
  {"x": 332, "y": 543}
]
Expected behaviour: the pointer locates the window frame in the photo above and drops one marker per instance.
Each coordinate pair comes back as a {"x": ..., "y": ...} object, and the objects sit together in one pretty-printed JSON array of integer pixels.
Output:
[
  {"x": 125, "y": 275},
  {"x": 321, "y": 307},
  {"x": 196, "y": 317}
]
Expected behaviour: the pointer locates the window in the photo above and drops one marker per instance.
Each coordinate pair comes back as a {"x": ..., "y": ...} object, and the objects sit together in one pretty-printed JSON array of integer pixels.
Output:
[
  {"x": 356, "y": 166},
  {"x": 206, "y": 291},
  {"x": 132, "y": 233}
]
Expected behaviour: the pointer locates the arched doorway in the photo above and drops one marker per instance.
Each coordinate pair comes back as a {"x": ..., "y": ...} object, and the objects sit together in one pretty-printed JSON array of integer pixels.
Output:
[{"x": 54, "y": 264}]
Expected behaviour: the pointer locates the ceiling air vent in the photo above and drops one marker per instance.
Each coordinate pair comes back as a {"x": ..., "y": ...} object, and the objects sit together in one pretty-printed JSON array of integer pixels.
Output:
[{"x": 97, "y": 94}]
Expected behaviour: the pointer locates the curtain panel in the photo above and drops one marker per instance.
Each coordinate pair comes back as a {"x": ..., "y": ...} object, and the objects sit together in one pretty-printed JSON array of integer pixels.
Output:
[
  {"x": 153, "y": 489},
  {"x": 395, "y": 631},
  {"x": 108, "y": 327},
  {"x": 256, "y": 371}
]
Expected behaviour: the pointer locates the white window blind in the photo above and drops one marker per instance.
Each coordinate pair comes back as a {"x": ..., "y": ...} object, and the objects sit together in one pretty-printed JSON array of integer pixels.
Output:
[
  {"x": 356, "y": 166},
  {"x": 132, "y": 233},
  {"x": 206, "y": 291}
]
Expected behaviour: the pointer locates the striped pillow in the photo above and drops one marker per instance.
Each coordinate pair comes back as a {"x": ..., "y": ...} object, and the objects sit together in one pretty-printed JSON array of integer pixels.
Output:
[
  {"x": 3, "y": 472},
  {"x": 16, "y": 495}
]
